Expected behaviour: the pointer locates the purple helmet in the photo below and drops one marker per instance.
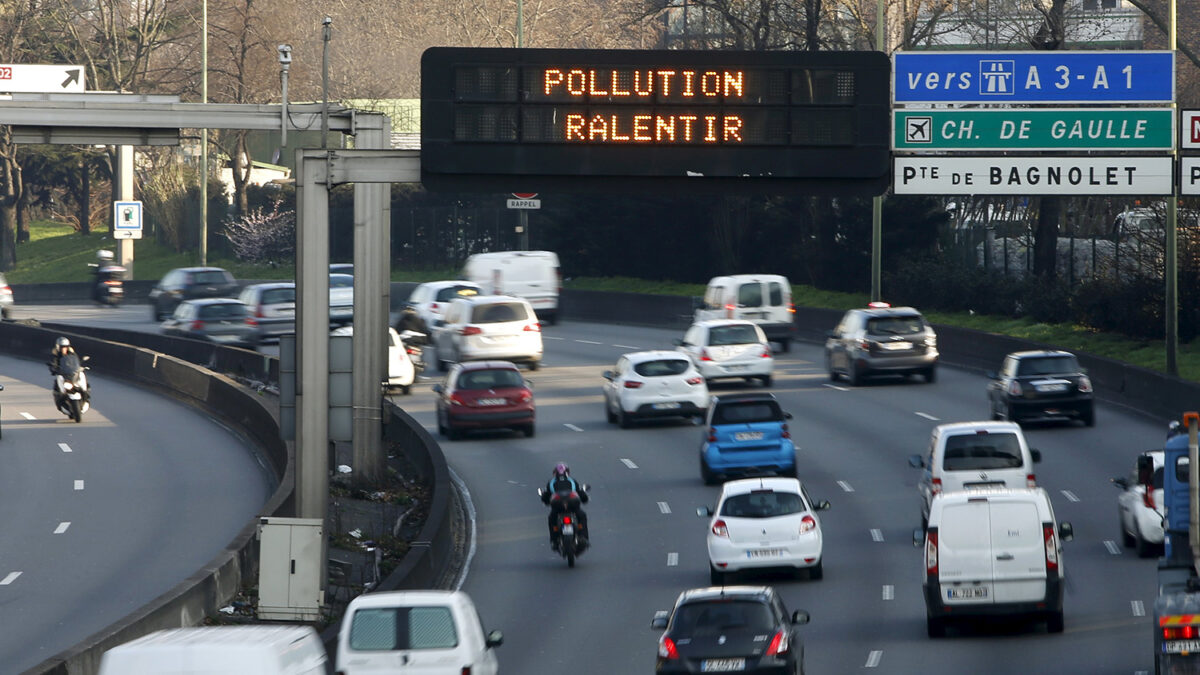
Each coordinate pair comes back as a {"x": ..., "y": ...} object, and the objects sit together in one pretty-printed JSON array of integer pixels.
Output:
[{"x": 561, "y": 470}]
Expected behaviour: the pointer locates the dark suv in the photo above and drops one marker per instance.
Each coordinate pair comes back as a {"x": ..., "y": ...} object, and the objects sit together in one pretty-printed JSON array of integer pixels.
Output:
[
  {"x": 187, "y": 283},
  {"x": 743, "y": 629},
  {"x": 881, "y": 340},
  {"x": 1041, "y": 384}
]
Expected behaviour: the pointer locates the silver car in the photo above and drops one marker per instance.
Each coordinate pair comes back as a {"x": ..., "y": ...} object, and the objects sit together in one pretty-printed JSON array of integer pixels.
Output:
[
  {"x": 221, "y": 320},
  {"x": 271, "y": 307},
  {"x": 881, "y": 340}
]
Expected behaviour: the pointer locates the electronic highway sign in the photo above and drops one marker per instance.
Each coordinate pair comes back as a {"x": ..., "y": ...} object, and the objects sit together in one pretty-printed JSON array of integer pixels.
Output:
[{"x": 572, "y": 119}]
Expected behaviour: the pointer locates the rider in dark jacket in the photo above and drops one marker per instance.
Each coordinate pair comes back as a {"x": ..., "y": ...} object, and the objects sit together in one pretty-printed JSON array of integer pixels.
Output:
[
  {"x": 557, "y": 496},
  {"x": 62, "y": 347}
]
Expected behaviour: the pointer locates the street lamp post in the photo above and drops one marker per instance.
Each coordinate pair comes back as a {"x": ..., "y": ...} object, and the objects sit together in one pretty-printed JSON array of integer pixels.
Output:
[{"x": 204, "y": 136}]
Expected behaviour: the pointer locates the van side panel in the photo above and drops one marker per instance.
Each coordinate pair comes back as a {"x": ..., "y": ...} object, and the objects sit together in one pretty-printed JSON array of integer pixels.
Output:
[
  {"x": 1019, "y": 552},
  {"x": 964, "y": 554}
]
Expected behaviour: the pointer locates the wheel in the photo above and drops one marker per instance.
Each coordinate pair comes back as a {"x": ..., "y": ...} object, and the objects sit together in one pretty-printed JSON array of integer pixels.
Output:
[
  {"x": 1126, "y": 538},
  {"x": 766, "y": 380},
  {"x": 1089, "y": 417},
  {"x": 935, "y": 626},
  {"x": 529, "y": 430},
  {"x": 854, "y": 376},
  {"x": 1143, "y": 547},
  {"x": 817, "y": 572},
  {"x": 609, "y": 414},
  {"x": 992, "y": 409},
  {"x": 76, "y": 411},
  {"x": 154, "y": 314},
  {"x": 931, "y": 374},
  {"x": 623, "y": 419},
  {"x": 793, "y": 472},
  {"x": 570, "y": 558},
  {"x": 441, "y": 427},
  {"x": 442, "y": 365},
  {"x": 453, "y": 433},
  {"x": 715, "y": 577},
  {"x": 406, "y": 389},
  {"x": 1055, "y": 622},
  {"x": 1008, "y": 413},
  {"x": 785, "y": 345},
  {"x": 534, "y": 365},
  {"x": 6, "y": 312},
  {"x": 706, "y": 473},
  {"x": 552, "y": 319}
]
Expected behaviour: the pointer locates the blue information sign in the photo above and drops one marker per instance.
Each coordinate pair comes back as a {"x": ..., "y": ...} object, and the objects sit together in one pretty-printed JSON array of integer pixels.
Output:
[{"x": 1034, "y": 77}]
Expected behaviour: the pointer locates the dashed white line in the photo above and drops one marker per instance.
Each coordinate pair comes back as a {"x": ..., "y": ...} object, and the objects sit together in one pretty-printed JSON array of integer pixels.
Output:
[
  {"x": 629, "y": 463},
  {"x": 12, "y": 576},
  {"x": 927, "y": 416},
  {"x": 572, "y": 427},
  {"x": 62, "y": 527},
  {"x": 845, "y": 486},
  {"x": 1112, "y": 547},
  {"x": 876, "y": 535},
  {"x": 1138, "y": 608},
  {"x": 889, "y": 592},
  {"x": 548, "y": 337},
  {"x": 78, "y": 485},
  {"x": 834, "y": 386},
  {"x": 873, "y": 658},
  {"x": 1070, "y": 496},
  {"x": 589, "y": 342},
  {"x": 64, "y": 447},
  {"x": 672, "y": 559},
  {"x": 626, "y": 347},
  {"x": 28, "y": 416},
  {"x": 664, "y": 507}
]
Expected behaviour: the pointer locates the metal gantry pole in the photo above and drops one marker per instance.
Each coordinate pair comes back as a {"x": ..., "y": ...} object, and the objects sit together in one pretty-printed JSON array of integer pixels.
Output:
[
  {"x": 877, "y": 202},
  {"x": 204, "y": 136},
  {"x": 1171, "y": 274}
]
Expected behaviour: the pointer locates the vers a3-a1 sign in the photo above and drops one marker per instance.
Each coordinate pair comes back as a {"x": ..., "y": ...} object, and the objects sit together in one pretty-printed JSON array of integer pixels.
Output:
[
  {"x": 1092, "y": 175},
  {"x": 648, "y": 120}
]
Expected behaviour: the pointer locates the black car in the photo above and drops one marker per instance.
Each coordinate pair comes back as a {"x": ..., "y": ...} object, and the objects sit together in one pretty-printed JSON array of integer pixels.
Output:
[
  {"x": 187, "y": 283},
  {"x": 1038, "y": 384},
  {"x": 743, "y": 629}
]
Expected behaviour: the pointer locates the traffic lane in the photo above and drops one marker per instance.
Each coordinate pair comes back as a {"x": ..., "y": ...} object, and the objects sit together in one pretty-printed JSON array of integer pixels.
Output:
[{"x": 136, "y": 511}]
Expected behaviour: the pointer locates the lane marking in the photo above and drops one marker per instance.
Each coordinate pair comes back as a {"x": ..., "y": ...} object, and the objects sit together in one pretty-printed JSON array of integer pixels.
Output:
[
  {"x": 589, "y": 342},
  {"x": 873, "y": 658},
  {"x": 1112, "y": 547},
  {"x": 28, "y": 416},
  {"x": 629, "y": 463},
  {"x": 572, "y": 427},
  {"x": 834, "y": 386},
  {"x": 548, "y": 337},
  {"x": 64, "y": 447},
  {"x": 62, "y": 527},
  {"x": 78, "y": 485},
  {"x": 1070, "y": 496},
  {"x": 664, "y": 507},
  {"x": 12, "y": 576},
  {"x": 672, "y": 559},
  {"x": 927, "y": 416},
  {"x": 1138, "y": 608},
  {"x": 876, "y": 535},
  {"x": 626, "y": 347},
  {"x": 845, "y": 486},
  {"x": 889, "y": 592}
]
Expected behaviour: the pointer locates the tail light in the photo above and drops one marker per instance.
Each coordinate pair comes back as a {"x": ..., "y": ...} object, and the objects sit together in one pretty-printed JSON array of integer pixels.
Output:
[
  {"x": 558, "y": 276},
  {"x": 667, "y": 649},
  {"x": 766, "y": 354},
  {"x": 1180, "y": 632},
  {"x": 931, "y": 553},
  {"x": 1051, "y": 548},
  {"x": 936, "y": 487},
  {"x": 785, "y": 432},
  {"x": 692, "y": 380},
  {"x": 791, "y": 307},
  {"x": 1014, "y": 388},
  {"x": 433, "y": 307},
  {"x": 533, "y": 327},
  {"x": 729, "y": 307},
  {"x": 251, "y": 321},
  {"x": 457, "y": 399},
  {"x": 720, "y": 529},
  {"x": 863, "y": 344},
  {"x": 807, "y": 524},
  {"x": 633, "y": 384},
  {"x": 712, "y": 435},
  {"x": 110, "y": 282},
  {"x": 1030, "y": 480},
  {"x": 413, "y": 350},
  {"x": 1148, "y": 497},
  {"x": 1085, "y": 384},
  {"x": 258, "y": 312},
  {"x": 466, "y": 670},
  {"x": 197, "y": 325},
  {"x": 779, "y": 645},
  {"x": 566, "y": 520},
  {"x": 470, "y": 330},
  {"x": 704, "y": 355}
]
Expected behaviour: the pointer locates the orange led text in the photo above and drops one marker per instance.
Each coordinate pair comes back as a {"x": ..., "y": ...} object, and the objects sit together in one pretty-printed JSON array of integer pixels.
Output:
[
  {"x": 644, "y": 82},
  {"x": 629, "y": 128}
]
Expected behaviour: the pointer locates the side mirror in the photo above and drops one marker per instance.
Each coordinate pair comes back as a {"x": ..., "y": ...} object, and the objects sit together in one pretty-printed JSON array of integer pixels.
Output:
[
  {"x": 1035, "y": 454},
  {"x": 608, "y": 375},
  {"x": 830, "y": 334},
  {"x": 437, "y": 389},
  {"x": 787, "y": 415},
  {"x": 918, "y": 538},
  {"x": 86, "y": 358},
  {"x": 1065, "y": 531},
  {"x": 1121, "y": 483},
  {"x": 800, "y": 617},
  {"x": 586, "y": 487},
  {"x": 529, "y": 383},
  {"x": 659, "y": 622},
  {"x": 1145, "y": 469},
  {"x": 916, "y": 461},
  {"x": 822, "y": 505},
  {"x": 678, "y": 343},
  {"x": 992, "y": 375},
  {"x": 495, "y": 638},
  {"x": 704, "y": 511}
]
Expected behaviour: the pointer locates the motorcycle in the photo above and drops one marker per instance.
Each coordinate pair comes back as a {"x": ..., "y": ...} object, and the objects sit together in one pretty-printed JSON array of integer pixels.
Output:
[
  {"x": 72, "y": 395},
  {"x": 568, "y": 537},
  {"x": 412, "y": 341},
  {"x": 109, "y": 286}
]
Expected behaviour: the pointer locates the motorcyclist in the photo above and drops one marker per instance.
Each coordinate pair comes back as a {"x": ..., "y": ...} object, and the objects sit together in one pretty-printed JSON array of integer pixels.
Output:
[
  {"x": 558, "y": 497},
  {"x": 62, "y": 347},
  {"x": 100, "y": 268}
]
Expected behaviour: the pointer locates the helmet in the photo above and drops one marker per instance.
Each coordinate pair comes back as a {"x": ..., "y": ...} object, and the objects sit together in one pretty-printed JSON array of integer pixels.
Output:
[
  {"x": 62, "y": 342},
  {"x": 104, "y": 255},
  {"x": 561, "y": 470}
]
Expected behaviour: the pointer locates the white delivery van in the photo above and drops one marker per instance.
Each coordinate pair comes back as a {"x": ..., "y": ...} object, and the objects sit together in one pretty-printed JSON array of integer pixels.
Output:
[
  {"x": 220, "y": 650},
  {"x": 415, "y": 632},
  {"x": 993, "y": 552},
  {"x": 973, "y": 455},
  {"x": 765, "y": 299},
  {"x": 531, "y": 275}
]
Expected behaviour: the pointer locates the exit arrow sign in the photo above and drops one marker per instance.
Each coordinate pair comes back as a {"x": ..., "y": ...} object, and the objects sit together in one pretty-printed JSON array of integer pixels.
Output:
[{"x": 26, "y": 78}]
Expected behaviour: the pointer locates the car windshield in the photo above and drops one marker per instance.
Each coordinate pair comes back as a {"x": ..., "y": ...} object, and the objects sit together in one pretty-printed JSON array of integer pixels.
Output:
[
  {"x": 452, "y": 292},
  {"x": 895, "y": 325},
  {"x": 279, "y": 296},
  {"x": 738, "y": 334},
  {"x": 747, "y": 411},
  {"x": 210, "y": 277},
  {"x": 489, "y": 379},
  {"x": 661, "y": 368},
  {"x": 982, "y": 451},
  {"x": 225, "y": 310},
  {"x": 499, "y": 312},
  {"x": 722, "y": 616},
  {"x": 401, "y": 628},
  {"x": 1047, "y": 365},
  {"x": 764, "y": 504}
]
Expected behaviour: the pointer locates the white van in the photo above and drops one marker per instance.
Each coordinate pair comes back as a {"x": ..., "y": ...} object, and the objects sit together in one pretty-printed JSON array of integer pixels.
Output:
[
  {"x": 993, "y": 552},
  {"x": 531, "y": 275},
  {"x": 765, "y": 299},
  {"x": 220, "y": 650},
  {"x": 415, "y": 632},
  {"x": 973, "y": 455}
]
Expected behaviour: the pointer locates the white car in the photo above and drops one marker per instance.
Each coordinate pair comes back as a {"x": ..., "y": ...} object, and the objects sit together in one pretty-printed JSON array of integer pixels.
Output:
[
  {"x": 488, "y": 327},
  {"x": 764, "y": 523},
  {"x": 653, "y": 384},
  {"x": 341, "y": 298},
  {"x": 428, "y": 302},
  {"x": 1141, "y": 515},
  {"x": 401, "y": 372},
  {"x": 724, "y": 348}
]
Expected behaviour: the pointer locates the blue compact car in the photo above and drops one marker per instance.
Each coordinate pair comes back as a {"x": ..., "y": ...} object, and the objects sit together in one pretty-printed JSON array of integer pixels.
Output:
[{"x": 747, "y": 436}]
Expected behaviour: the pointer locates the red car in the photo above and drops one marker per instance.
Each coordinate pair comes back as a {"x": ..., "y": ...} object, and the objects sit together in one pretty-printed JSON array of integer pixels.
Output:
[{"x": 484, "y": 395}]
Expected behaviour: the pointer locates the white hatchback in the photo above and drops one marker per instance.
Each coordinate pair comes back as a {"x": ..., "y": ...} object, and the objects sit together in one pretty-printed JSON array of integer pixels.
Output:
[
  {"x": 488, "y": 327},
  {"x": 764, "y": 523},
  {"x": 1140, "y": 506},
  {"x": 723, "y": 348},
  {"x": 653, "y": 384}
]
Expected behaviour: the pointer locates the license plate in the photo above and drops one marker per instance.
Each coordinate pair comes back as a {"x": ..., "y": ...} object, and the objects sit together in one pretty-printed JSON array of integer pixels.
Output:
[
  {"x": 966, "y": 593},
  {"x": 764, "y": 553},
  {"x": 501, "y": 338},
  {"x": 736, "y": 366},
  {"x": 666, "y": 406},
  {"x": 1181, "y": 646},
  {"x": 1052, "y": 387},
  {"x": 569, "y": 530},
  {"x": 722, "y": 665},
  {"x": 492, "y": 401},
  {"x": 748, "y": 436},
  {"x": 896, "y": 346}
]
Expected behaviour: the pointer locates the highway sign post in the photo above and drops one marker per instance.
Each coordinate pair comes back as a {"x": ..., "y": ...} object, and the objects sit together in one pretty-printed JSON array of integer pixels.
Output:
[
  {"x": 27, "y": 78},
  {"x": 127, "y": 220},
  {"x": 1034, "y": 175},
  {"x": 1033, "y": 129}
]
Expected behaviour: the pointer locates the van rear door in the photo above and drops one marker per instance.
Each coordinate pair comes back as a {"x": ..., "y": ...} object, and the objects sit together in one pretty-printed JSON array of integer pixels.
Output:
[
  {"x": 1019, "y": 554},
  {"x": 965, "y": 553}
]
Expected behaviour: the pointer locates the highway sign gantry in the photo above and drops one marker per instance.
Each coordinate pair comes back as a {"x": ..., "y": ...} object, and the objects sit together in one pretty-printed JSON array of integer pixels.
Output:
[
  {"x": 1033, "y": 129},
  {"x": 29, "y": 78},
  {"x": 1034, "y": 77},
  {"x": 1115, "y": 175}
]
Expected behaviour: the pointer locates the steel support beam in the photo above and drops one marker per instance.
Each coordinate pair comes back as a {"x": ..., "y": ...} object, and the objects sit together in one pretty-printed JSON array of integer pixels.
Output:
[
  {"x": 374, "y": 166},
  {"x": 124, "y": 177},
  {"x": 85, "y": 136}
]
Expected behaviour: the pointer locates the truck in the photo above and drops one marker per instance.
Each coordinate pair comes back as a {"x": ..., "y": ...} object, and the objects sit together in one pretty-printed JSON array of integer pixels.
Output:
[{"x": 1177, "y": 607}]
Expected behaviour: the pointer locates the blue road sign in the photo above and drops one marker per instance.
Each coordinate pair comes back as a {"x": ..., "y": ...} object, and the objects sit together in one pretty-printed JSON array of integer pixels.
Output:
[{"x": 1034, "y": 77}]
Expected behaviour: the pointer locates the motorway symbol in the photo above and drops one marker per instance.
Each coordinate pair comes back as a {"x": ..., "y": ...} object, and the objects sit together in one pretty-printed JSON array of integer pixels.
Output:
[
  {"x": 916, "y": 129},
  {"x": 996, "y": 76}
]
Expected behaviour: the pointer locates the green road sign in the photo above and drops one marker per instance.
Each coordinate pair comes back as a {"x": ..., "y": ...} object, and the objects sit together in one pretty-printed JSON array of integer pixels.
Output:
[{"x": 1033, "y": 129}]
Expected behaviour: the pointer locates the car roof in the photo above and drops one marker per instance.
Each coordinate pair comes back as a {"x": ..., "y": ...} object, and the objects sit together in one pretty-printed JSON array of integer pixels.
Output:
[
  {"x": 999, "y": 493},
  {"x": 738, "y": 278},
  {"x": 956, "y": 428},
  {"x": 213, "y": 301},
  {"x": 268, "y": 285},
  {"x": 747, "y": 485},
  {"x": 199, "y": 269},
  {"x": 394, "y": 598},
  {"x": 888, "y": 311},
  {"x": 1039, "y": 353},
  {"x": 740, "y": 398},
  {"x": 720, "y": 592},
  {"x": 709, "y": 323},
  {"x": 483, "y": 299},
  {"x": 653, "y": 355},
  {"x": 450, "y": 282},
  {"x": 488, "y": 365}
]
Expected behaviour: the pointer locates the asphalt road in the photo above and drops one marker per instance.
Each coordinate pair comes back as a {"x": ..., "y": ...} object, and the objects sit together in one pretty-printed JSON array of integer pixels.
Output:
[
  {"x": 867, "y": 613},
  {"x": 99, "y": 518}
]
